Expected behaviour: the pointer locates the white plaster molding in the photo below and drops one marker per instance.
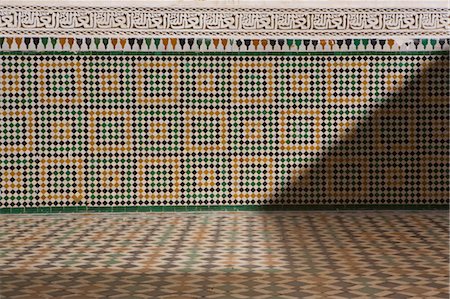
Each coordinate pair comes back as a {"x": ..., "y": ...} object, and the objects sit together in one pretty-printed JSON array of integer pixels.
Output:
[
  {"x": 222, "y": 22},
  {"x": 235, "y": 3}
]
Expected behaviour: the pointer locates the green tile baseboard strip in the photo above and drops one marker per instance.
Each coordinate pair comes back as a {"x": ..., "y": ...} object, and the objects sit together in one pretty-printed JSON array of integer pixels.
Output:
[{"x": 262, "y": 208}]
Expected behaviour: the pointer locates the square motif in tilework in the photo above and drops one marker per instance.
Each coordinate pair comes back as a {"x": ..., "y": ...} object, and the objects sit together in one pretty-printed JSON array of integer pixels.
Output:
[
  {"x": 435, "y": 172},
  {"x": 394, "y": 82},
  {"x": 343, "y": 125},
  {"x": 432, "y": 85},
  {"x": 109, "y": 80},
  {"x": 17, "y": 131},
  {"x": 110, "y": 181},
  {"x": 347, "y": 82},
  {"x": 295, "y": 175},
  {"x": 110, "y": 130},
  {"x": 205, "y": 180},
  {"x": 393, "y": 178},
  {"x": 252, "y": 82},
  {"x": 61, "y": 130},
  {"x": 300, "y": 129},
  {"x": 432, "y": 127},
  {"x": 18, "y": 182},
  {"x": 159, "y": 130},
  {"x": 295, "y": 80},
  {"x": 60, "y": 82},
  {"x": 157, "y": 81},
  {"x": 207, "y": 80},
  {"x": 14, "y": 81},
  {"x": 159, "y": 180},
  {"x": 61, "y": 180},
  {"x": 253, "y": 178},
  {"x": 206, "y": 130},
  {"x": 347, "y": 179},
  {"x": 390, "y": 78},
  {"x": 441, "y": 129},
  {"x": 395, "y": 129},
  {"x": 253, "y": 130}
]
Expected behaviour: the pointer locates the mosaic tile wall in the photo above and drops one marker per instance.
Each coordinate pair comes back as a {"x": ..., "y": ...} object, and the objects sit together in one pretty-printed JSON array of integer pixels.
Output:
[{"x": 111, "y": 122}]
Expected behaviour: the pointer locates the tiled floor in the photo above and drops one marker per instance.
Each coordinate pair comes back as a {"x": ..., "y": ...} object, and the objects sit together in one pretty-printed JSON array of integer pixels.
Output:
[{"x": 226, "y": 255}]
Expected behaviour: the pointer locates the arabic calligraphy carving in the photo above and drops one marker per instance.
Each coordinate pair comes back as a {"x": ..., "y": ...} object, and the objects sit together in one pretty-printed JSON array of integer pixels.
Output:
[{"x": 222, "y": 22}]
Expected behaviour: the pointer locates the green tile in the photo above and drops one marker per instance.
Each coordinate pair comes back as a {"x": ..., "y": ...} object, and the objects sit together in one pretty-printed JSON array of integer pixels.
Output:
[
  {"x": 179, "y": 209},
  {"x": 70, "y": 210},
  {"x": 44, "y": 210},
  {"x": 119, "y": 209}
]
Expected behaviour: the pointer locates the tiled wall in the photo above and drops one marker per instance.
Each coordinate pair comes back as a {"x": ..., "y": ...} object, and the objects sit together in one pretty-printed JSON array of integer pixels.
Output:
[{"x": 197, "y": 122}]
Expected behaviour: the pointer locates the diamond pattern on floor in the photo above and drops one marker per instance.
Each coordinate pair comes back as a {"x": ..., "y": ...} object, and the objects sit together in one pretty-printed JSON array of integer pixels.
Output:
[{"x": 370, "y": 254}]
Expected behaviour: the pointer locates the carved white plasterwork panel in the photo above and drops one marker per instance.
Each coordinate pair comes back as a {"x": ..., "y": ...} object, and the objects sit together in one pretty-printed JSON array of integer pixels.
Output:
[{"x": 223, "y": 22}]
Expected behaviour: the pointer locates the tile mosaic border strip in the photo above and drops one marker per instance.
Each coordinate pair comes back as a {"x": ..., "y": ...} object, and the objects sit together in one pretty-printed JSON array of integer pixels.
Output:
[
  {"x": 222, "y": 22},
  {"x": 166, "y": 44}
]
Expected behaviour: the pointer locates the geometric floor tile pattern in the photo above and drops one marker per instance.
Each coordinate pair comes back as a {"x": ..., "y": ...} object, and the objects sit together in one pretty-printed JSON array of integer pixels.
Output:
[{"x": 363, "y": 254}]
